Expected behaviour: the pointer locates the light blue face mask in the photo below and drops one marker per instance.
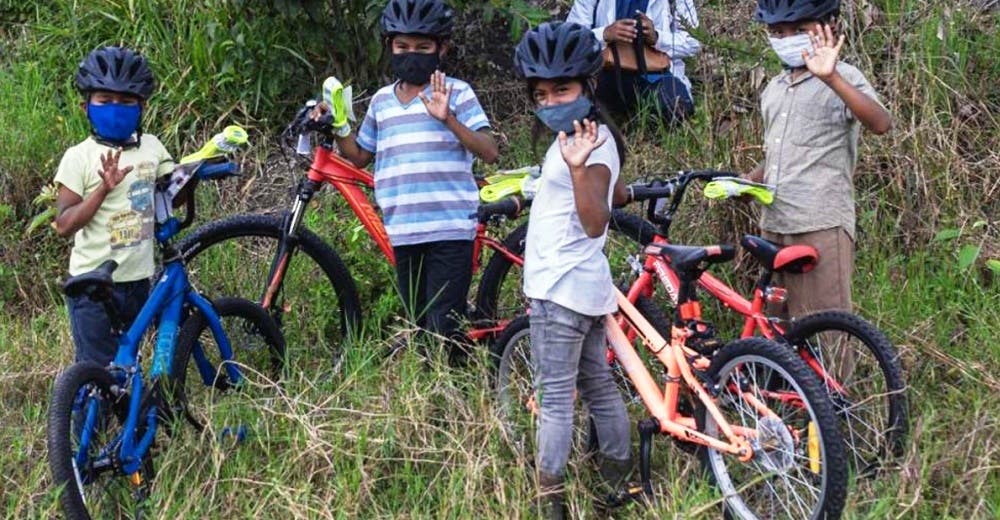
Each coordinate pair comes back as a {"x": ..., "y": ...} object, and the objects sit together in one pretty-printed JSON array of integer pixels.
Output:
[
  {"x": 559, "y": 118},
  {"x": 114, "y": 122}
]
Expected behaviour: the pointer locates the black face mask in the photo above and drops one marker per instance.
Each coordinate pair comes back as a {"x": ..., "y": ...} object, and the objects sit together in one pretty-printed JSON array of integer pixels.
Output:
[{"x": 414, "y": 68}]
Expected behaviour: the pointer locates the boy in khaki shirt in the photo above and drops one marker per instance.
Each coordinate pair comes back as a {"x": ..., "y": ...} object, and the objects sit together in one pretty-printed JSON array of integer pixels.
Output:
[{"x": 812, "y": 112}]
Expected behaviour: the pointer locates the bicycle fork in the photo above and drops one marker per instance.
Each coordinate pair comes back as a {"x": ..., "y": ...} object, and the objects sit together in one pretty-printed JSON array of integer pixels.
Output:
[{"x": 286, "y": 246}]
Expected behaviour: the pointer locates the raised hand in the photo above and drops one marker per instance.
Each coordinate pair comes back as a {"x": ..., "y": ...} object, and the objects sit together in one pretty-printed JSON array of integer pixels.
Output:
[
  {"x": 438, "y": 104},
  {"x": 826, "y": 52},
  {"x": 585, "y": 141},
  {"x": 110, "y": 173}
]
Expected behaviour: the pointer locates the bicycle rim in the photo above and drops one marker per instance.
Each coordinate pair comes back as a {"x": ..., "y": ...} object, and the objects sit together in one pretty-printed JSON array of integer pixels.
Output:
[
  {"x": 305, "y": 304},
  {"x": 84, "y": 427},
  {"x": 230, "y": 408},
  {"x": 786, "y": 478},
  {"x": 871, "y": 402}
]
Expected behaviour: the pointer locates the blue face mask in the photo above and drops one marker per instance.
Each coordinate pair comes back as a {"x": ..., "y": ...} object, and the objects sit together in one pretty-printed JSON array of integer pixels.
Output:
[
  {"x": 559, "y": 118},
  {"x": 114, "y": 122}
]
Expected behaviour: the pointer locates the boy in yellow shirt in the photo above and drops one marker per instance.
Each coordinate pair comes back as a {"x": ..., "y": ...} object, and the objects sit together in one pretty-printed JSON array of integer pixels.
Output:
[{"x": 105, "y": 199}]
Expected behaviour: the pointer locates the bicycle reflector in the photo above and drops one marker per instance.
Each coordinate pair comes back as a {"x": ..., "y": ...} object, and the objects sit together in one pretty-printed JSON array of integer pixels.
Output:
[
  {"x": 776, "y": 295},
  {"x": 728, "y": 187}
]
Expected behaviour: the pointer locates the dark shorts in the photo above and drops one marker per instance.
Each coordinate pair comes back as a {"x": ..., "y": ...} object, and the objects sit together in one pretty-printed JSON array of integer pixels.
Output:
[{"x": 91, "y": 327}]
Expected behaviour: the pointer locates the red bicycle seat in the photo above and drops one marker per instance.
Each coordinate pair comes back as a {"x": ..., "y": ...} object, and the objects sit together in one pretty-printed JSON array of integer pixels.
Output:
[{"x": 796, "y": 258}]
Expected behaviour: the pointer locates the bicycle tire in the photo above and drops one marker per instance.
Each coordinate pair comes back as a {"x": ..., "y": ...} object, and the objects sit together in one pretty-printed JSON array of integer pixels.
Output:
[
  {"x": 755, "y": 365},
  {"x": 886, "y": 419},
  {"x": 62, "y": 437},
  {"x": 494, "y": 296},
  {"x": 258, "y": 351},
  {"x": 490, "y": 300},
  {"x": 510, "y": 357},
  {"x": 319, "y": 318}
]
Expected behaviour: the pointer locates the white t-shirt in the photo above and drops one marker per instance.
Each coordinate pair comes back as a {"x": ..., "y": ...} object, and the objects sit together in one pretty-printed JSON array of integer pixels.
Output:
[{"x": 561, "y": 263}]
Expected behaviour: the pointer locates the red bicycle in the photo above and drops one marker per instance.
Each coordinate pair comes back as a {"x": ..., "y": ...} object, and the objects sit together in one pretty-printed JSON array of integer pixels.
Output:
[
  {"x": 869, "y": 396},
  {"x": 296, "y": 275}
]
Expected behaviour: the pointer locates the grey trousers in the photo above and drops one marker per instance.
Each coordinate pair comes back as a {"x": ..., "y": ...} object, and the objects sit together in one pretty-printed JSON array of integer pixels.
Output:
[{"x": 568, "y": 353}]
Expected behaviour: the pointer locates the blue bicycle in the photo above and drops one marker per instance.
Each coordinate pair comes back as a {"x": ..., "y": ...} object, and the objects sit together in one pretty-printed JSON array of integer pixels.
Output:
[{"x": 208, "y": 359}]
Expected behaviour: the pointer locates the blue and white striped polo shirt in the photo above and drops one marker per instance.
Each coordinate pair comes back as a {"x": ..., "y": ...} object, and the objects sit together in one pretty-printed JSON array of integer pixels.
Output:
[{"x": 423, "y": 174}]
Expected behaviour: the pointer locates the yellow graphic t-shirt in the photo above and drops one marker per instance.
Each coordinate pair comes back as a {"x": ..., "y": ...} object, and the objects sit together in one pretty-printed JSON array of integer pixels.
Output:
[{"x": 122, "y": 229}]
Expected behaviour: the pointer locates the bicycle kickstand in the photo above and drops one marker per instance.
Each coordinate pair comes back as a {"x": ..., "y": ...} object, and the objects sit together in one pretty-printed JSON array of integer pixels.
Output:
[{"x": 647, "y": 427}]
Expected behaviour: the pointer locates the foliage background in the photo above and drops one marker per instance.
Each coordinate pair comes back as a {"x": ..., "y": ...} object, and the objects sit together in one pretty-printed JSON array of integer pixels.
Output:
[{"x": 396, "y": 440}]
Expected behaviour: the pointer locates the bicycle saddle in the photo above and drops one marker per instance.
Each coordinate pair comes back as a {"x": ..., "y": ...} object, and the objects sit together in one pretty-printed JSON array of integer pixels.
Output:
[
  {"x": 98, "y": 280},
  {"x": 795, "y": 259},
  {"x": 687, "y": 259}
]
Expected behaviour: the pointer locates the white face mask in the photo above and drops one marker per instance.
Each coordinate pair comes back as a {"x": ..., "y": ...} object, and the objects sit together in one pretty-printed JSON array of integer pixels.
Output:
[{"x": 790, "y": 48}]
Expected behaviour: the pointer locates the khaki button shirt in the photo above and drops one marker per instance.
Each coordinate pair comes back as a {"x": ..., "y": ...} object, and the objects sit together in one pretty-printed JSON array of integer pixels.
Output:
[{"x": 810, "y": 150}]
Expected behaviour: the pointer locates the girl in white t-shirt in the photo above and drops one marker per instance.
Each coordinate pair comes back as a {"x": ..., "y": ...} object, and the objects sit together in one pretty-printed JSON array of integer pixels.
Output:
[{"x": 566, "y": 275}]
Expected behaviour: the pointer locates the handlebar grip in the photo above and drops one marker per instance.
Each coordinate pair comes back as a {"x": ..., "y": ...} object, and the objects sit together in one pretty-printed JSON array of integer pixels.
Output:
[
  {"x": 510, "y": 207},
  {"x": 214, "y": 171},
  {"x": 641, "y": 192}
]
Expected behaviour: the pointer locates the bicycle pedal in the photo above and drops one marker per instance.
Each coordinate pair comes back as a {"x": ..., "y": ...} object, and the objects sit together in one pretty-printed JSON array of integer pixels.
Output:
[{"x": 630, "y": 492}]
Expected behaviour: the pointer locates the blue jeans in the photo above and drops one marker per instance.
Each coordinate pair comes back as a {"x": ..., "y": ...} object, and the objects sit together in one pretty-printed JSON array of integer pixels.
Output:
[
  {"x": 91, "y": 326},
  {"x": 568, "y": 352}
]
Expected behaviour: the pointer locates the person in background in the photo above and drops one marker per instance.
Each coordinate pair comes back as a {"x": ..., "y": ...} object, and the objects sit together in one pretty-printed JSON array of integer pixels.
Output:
[{"x": 664, "y": 24}]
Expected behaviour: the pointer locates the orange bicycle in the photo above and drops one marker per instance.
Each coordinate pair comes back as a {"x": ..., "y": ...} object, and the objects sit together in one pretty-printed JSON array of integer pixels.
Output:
[
  {"x": 755, "y": 413},
  {"x": 295, "y": 274},
  {"x": 870, "y": 398}
]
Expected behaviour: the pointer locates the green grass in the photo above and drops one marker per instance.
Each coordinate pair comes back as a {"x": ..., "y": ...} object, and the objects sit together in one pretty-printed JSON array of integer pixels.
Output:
[{"x": 400, "y": 438}]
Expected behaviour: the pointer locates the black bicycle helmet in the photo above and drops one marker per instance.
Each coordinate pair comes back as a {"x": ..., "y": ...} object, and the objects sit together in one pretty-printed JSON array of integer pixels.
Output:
[
  {"x": 116, "y": 69},
  {"x": 426, "y": 17},
  {"x": 558, "y": 50},
  {"x": 778, "y": 11}
]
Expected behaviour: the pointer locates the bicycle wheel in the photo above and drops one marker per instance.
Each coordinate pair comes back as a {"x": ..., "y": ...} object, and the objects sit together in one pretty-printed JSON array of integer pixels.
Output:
[
  {"x": 316, "y": 304},
  {"x": 203, "y": 387},
  {"x": 85, "y": 422},
  {"x": 872, "y": 399},
  {"x": 514, "y": 387},
  {"x": 799, "y": 467},
  {"x": 500, "y": 292}
]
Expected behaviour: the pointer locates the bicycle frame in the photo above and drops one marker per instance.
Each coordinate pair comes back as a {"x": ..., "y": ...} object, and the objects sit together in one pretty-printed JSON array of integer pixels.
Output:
[
  {"x": 167, "y": 300},
  {"x": 754, "y": 318},
  {"x": 348, "y": 179},
  {"x": 663, "y": 405}
]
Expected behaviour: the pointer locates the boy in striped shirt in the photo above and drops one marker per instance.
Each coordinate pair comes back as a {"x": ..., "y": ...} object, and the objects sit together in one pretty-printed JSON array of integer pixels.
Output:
[{"x": 423, "y": 131}]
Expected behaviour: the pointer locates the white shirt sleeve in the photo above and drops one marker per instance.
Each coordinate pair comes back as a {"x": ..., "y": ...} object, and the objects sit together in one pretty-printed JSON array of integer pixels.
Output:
[
  {"x": 672, "y": 38},
  {"x": 606, "y": 154},
  {"x": 582, "y": 12}
]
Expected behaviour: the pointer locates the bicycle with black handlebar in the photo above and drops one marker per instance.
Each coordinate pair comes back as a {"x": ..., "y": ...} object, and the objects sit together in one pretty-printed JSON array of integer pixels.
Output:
[
  {"x": 300, "y": 278},
  {"x": 869, "y": 395}
]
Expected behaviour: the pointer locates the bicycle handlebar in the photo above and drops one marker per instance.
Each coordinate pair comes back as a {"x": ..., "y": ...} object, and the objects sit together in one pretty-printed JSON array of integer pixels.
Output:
[{"x": 672, "y": 188}]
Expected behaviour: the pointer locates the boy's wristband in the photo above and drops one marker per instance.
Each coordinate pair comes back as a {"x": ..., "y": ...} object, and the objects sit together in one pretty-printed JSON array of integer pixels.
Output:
[{"x": 342, "y": 131}]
